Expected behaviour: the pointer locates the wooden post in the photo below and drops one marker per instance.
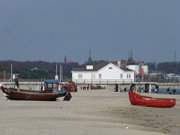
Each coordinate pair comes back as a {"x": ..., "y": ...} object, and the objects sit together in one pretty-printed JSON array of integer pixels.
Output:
[
  {"x": 116, "y": 87},
  {"x": 150, "y": 88}
]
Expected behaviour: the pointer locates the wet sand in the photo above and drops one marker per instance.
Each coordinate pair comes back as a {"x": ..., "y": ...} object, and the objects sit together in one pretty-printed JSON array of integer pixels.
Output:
[{"x": 100, "y": 112}]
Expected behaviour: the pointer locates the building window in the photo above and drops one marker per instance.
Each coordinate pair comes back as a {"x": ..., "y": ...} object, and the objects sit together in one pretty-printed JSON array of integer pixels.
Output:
[
  {"x": 80, "y": 76},
  {"x": 121, "y": 76},
  {"x": 128, "y": 75},
  {"x": 100, "y": 76}
]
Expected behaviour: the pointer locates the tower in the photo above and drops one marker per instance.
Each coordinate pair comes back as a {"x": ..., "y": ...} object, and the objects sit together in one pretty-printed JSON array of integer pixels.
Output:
[
  {"x": 65, "y": 60},
  {"x": 175, "y": 56},
  {"x": 131, "y": 57},
  {"x": 90, "y": 56},
  {"x": 141, "y": 72}
]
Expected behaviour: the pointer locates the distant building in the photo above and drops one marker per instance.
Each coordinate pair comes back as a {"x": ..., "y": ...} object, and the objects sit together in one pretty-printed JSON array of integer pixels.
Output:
[
  {"x": 172, "y": 76},
  {"x": 34, "y": 69},
  {"x": 121, "y": 63},
  {"x": 102, "y": 72},
  {"x": 134, "y": 68},
  {"x": 137, "y": 69}
]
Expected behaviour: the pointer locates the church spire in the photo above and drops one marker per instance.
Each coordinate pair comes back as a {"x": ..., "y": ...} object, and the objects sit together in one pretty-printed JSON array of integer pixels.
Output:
[
  {"x": 131, "y": 57},
  {"x": 90, "y": 56}
]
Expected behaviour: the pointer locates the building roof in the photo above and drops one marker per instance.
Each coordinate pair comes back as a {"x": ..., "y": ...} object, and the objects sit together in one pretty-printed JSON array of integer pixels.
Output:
[
  {"x": 96, "y": 67},
  {"x": 125, "y": 69}
]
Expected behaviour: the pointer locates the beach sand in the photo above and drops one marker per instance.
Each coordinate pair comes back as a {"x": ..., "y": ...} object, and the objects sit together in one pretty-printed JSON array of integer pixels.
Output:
[{"x": 96, "y": 112}]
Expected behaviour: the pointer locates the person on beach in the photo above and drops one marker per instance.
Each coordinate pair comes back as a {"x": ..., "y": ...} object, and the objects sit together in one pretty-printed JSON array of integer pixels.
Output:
[
  {"x": 174, "y": 91},
  {"x": 68, "y": 95},
  {"x": 16, "y": 83},
  {"x": 56, "y": 87},
  {"x": 132, "y": 88},
  {"x": 116, "y": 87}
]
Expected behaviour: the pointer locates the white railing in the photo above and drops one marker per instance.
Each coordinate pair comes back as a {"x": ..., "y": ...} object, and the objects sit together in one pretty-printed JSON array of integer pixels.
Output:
[{"x": 102, "y": 81}]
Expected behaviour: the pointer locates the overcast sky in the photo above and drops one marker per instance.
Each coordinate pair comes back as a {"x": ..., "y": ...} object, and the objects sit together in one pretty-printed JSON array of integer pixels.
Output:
[{"x": 51, "y": 29}]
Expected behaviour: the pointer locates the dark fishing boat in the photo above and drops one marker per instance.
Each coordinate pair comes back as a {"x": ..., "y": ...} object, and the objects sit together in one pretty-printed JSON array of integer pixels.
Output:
[
  {"x": 17, "y": 94},
  {"x": 50, "y": 91},
  {"x": 137, "y": 99}
]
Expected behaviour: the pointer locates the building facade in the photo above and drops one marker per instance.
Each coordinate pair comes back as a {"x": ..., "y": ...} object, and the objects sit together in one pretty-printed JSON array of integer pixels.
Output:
[{"x": 103, "y": 73}]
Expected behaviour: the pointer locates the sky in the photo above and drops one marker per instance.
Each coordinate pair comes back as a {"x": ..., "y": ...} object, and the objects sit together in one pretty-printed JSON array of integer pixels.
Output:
[{"x": 52, "y": 29}]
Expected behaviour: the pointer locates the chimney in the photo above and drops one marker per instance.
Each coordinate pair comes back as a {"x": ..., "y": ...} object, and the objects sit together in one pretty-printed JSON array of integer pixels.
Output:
[{"x": 119, "y": 63}]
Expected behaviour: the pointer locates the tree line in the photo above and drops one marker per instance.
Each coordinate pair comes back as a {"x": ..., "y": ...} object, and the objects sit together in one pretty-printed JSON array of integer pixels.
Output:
[
  {"x": 47, "y": 70},
  {"x": 35, "y": 69},
  {"x": 165, "y": 67}
]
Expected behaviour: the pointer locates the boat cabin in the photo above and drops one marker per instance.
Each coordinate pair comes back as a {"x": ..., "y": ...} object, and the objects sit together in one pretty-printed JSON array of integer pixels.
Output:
[
  {"x": 54, "y": 86},
  {"x": 51, "y": 85}
]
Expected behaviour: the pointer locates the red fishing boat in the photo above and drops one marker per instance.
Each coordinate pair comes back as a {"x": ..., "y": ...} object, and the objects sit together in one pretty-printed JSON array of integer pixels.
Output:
[{"x": 137, "y": 99}]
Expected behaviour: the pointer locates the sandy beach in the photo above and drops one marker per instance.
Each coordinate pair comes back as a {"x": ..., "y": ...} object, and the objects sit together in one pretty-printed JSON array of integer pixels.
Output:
[{"x": 97, "y": 112}]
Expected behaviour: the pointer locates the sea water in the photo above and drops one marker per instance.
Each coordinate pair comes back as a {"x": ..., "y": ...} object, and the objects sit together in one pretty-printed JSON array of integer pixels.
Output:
[{"x": 169, "y": 91}]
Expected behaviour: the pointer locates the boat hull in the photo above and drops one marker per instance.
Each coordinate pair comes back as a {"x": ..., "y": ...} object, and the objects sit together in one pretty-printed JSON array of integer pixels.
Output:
[
  {"x": 22, "y": 95},
  {"x": 137, "y": 99}
]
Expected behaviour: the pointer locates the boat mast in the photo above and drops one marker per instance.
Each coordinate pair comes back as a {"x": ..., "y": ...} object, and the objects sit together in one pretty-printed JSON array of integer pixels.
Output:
[
  {"x": 56, "y": 76},
  {"x": 60, "y": 73},
  {"x": 11, "y": 73}
]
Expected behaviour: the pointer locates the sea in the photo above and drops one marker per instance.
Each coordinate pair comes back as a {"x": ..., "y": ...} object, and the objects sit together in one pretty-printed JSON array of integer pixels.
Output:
[{"x": 169, "y": 91}]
